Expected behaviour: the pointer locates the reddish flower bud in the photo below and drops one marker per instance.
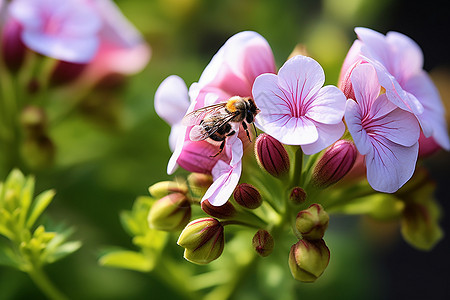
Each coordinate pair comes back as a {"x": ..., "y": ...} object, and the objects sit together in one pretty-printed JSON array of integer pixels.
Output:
[
  {"x": 308, "y": 260},
  {"x": 263, "y": 242},
  {"x": 297, "y": 195},
  {"x": 271, "y": 155},
  {"x": 247, "y": 196},
  {"x": 335, "y": 163},
  {"x": 312, "y": 222},
  {"x": 170, "y": 213},
  {"x": 13, "y": 48},
  {"x": 345, "y": 83},
  {"x": 66, "y": 72},
  {"x": 203, "y": 240},
  {"x": 221, "y": 212}
]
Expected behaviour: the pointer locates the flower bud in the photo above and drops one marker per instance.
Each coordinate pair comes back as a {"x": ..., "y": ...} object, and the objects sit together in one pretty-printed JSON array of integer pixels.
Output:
[
  {"x": 312, "y": 222},
  {"x": 345, "y": 83},
  {"x": 297, "y": 195},
  {"x": 13, "y": 49},
  {"x": 308, "y": 260},
  {"x": 199, "y": 182},
  {"x": 66, "y": 72},
  {"x": 247, "y": 196},
  {"x": 225, "y": 211},
  {"x": 38, "y": 151},
  {"x": 170, "y": 213},
  {"x": 271, "y": 155},
  {"x": 335, "y": 163},
  {"x": 263, "y": 242},
  {"x": 34, "y": 120},
  {"x": 163, "y": 188},
  {"x": 203, "y": 240}
]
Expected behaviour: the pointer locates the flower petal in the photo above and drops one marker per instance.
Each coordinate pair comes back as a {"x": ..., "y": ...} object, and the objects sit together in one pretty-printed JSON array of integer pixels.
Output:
[
  {"x": 226, "y": 178},
  {"x": 301, "y": 77},
  {"x": 366, "y": 87},
  {"x": 389, "y": 165},
  {"x": 328, "y": 106},
  {"x": 353, "y": 119},
  {"x": 327, "y": 135},
  {"x": 238, "y": 62},
  {"x": 172, "y": 99}
]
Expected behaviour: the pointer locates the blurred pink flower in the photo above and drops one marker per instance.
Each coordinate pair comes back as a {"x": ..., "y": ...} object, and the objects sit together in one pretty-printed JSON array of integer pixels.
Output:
[
  {"x": 90, "y": 37},
  {"x": 231, "y": 72},
  {"x": 65, "y": 30},
  {"x": 296, "y": 109},
  {"x": 384, "y": 133},
  {"x": 398, "y": 61}
]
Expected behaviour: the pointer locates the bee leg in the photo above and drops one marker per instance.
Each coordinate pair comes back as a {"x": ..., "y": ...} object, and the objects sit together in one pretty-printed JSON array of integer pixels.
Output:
[
  {"x": 254, "y": 127},
  {"x": 222, "y": 145},
  {"x": 231, "y": 133},
  {"x": 246, "y": 130}
]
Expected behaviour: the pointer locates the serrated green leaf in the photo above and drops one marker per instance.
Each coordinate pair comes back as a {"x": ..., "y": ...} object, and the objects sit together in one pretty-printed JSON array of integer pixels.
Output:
[
  {"x": 40, "y": 204},
  {"x": 131, "y": 260}
]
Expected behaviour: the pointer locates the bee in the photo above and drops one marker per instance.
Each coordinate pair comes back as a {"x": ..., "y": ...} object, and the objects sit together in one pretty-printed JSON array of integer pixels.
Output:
[{"x": 214, "y": 121}]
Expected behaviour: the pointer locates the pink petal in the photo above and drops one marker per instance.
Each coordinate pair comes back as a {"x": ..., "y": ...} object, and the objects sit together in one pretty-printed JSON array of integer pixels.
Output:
[
  {"x": 353, "y": 119},
  {"x": 226, "y": 178},
  {"x": 390, "y": 166},
  {"x": 172, "y": 99},
  {"x": 293, "y": 131},
  {"x": 328, "y": 106},
  {"x": 327, "y": 135},
  {"x": 365, "y": 85},
  {"x": 301, "y": 77},
  {"x": 398, "y": 126},
  {"x": 237, "y": 64},
  {"x": 353, "y": 55},
  {"x": 408, "y": 58},
  {"x": 432, "y": 120}
]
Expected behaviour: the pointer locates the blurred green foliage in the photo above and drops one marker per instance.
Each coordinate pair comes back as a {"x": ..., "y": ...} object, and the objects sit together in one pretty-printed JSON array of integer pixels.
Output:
[{"x": 110, "y": 155}]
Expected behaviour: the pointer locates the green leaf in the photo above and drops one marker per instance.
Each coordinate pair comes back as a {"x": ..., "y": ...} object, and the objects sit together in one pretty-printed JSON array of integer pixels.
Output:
[
  {"x": 8, "y": 257},
  {"x": 131, "y": 260},
  {"x": 40, "y": 204},
  {"x": 379, "y": 206},
  {"x": 63, "y": 250},
  {"x": 26, "y": 198}
]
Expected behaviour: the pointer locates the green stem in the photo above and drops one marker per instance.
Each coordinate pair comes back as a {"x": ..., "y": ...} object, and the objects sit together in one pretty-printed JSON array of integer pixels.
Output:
[
  {"x": 298, "y": 165},
  {"x": 45, "y": 285}
]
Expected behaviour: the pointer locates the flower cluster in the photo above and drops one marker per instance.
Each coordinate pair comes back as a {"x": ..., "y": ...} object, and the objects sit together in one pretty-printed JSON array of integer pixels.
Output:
[{"x": 383, "y": 111}]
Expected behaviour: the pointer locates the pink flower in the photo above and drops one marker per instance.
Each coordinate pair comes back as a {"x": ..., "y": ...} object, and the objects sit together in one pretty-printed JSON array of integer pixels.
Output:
[
  {"x": 231, "y": 72},
  {"x": 65, "y": 30},
  {"x": 122, "y": 49},
  {"x": 296, "y": 109},
  {"x": 398, "y": 61},
  {"x": 384, "y": 133}
]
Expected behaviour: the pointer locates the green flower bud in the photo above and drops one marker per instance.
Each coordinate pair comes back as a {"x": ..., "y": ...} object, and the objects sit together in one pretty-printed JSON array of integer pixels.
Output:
[
  {"x": 225, "y": 211},
  {"x": 163, "y": 188},
  {"x": 170, "y": 213},
  {"x": 263, "y": 242},
  {"x": 297, "y": 195},
  {"x": 199, "y": 182},
  {"x": 247, "y": 196},
  {"x": 308, "y": 260},
  {"x": 312, "y": 222},
  {"x": 203, "y": 240}
]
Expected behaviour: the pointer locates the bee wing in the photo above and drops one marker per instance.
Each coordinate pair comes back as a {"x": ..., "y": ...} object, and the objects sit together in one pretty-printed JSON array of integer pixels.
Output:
[
  {"x": 196, "y": 116},
  {"x": 205, "y": 130},
  {"x": 198, "y": 133}
]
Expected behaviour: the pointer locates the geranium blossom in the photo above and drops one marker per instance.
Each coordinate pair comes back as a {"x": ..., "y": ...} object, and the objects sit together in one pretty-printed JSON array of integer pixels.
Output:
[
  {"x": 65, "y": 30},
  {"x": 296, "y": 109},
  {"x": 231, "y": 72},
  {"x": 398, "y": 61},
  {"x": 384, "y": 133}
]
